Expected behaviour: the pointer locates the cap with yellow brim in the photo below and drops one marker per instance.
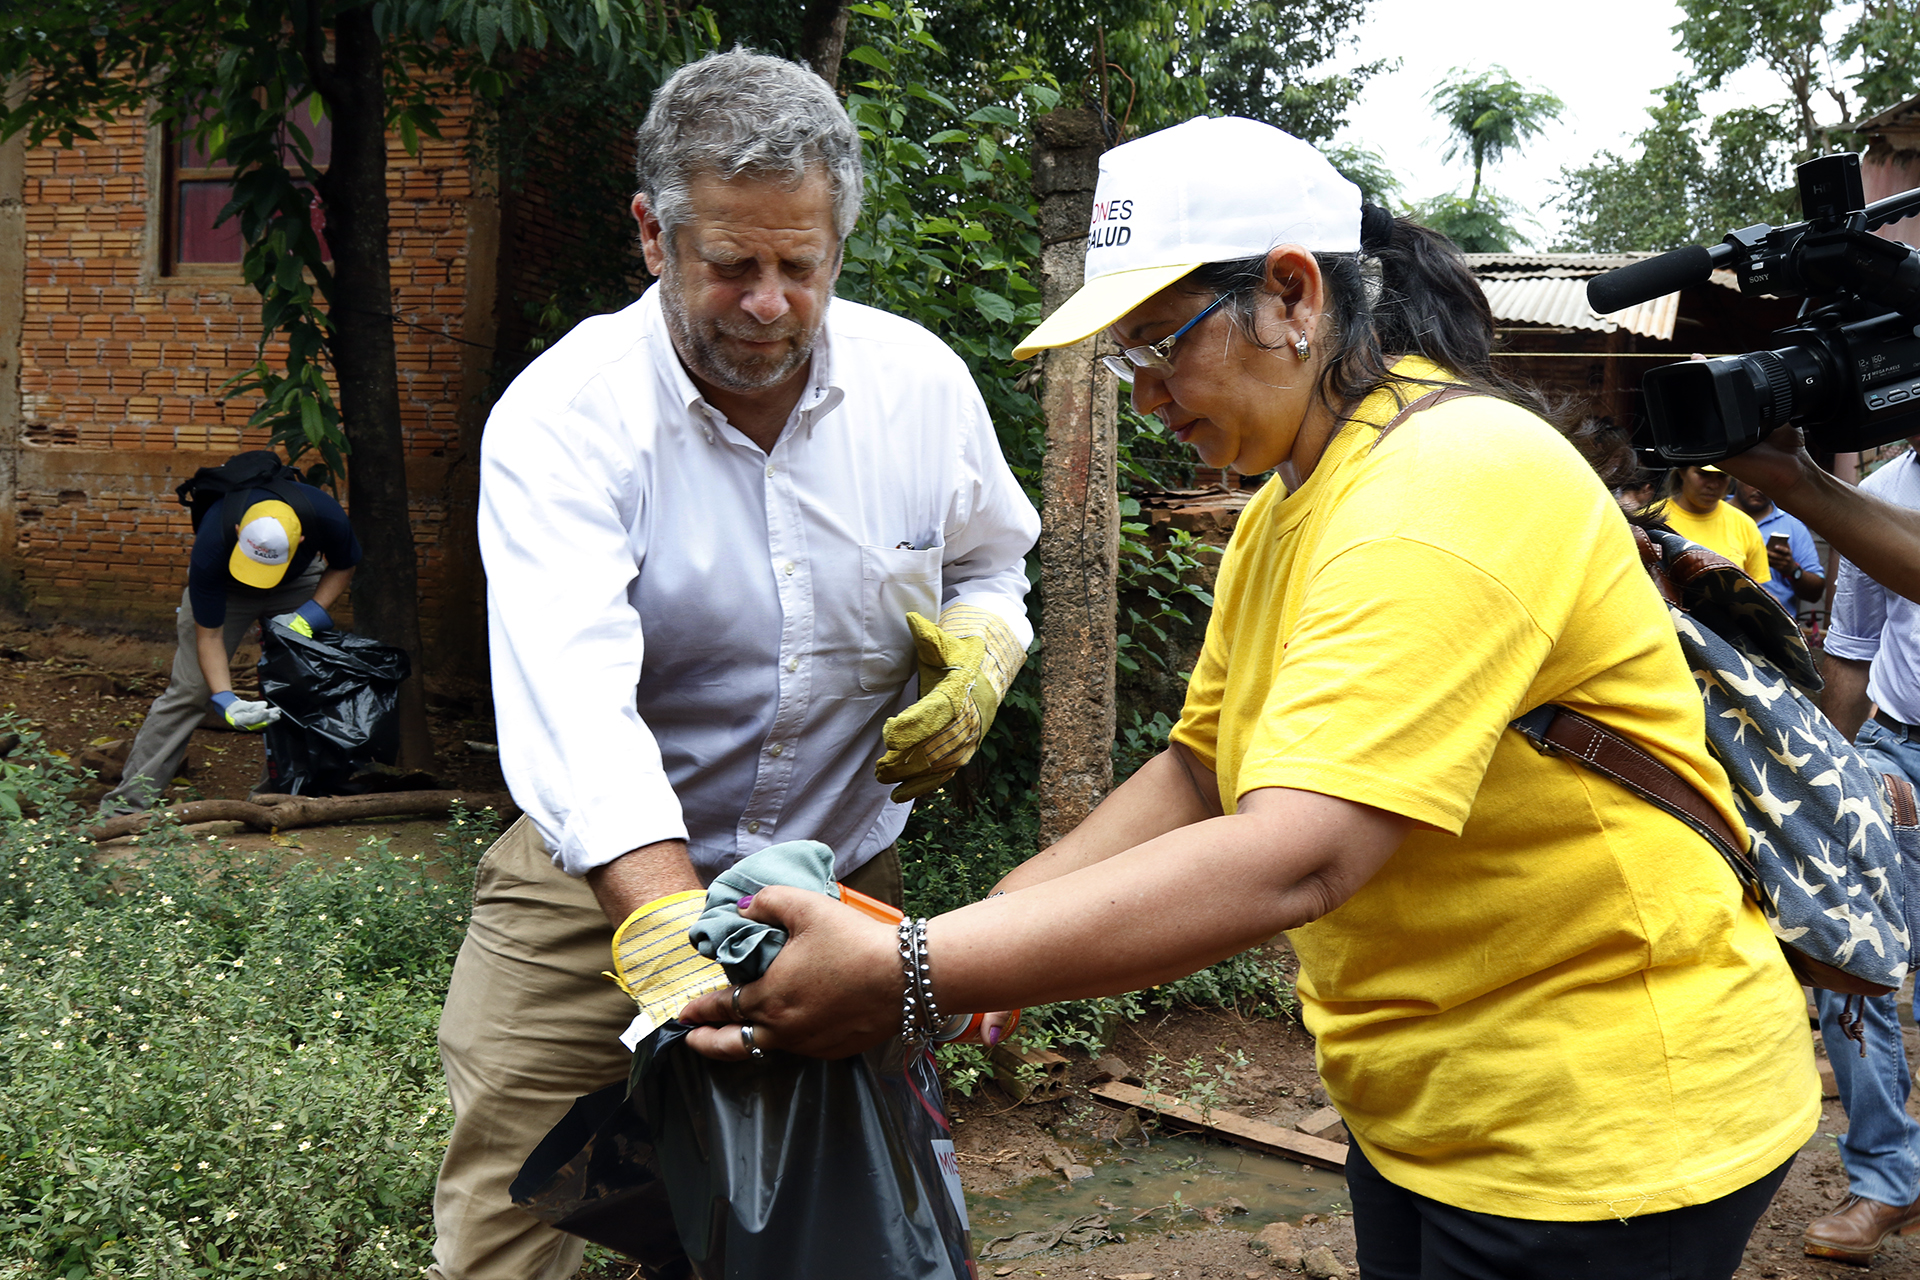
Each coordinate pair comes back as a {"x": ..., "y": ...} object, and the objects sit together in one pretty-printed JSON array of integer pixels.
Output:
[
  {"x": 1098, "y": 304},
  {"x": 269, "y": 532},
  {"x": 1208, "y": 190}
]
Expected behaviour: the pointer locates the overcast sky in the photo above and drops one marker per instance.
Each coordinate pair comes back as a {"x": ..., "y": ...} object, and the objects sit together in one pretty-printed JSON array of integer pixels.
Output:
[{"x": 1603, "y": 60}]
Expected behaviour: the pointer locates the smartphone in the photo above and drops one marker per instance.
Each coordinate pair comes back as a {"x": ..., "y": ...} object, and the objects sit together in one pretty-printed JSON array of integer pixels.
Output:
[{"x": 1778, "y": 542}]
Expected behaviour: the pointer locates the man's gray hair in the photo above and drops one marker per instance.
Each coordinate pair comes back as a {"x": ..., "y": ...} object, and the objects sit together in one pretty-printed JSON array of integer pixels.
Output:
[{"x": 745, "y": 113}]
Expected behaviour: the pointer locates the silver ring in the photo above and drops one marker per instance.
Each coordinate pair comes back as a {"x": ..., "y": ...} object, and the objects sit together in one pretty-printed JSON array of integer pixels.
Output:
[
  {"x": 735, "y": 996},
  {"x": 746, "y": 1038}
]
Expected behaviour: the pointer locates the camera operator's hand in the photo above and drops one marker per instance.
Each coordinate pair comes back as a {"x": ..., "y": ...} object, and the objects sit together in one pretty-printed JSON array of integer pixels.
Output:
[
  {"x": 1880, "y": 538},
  {"x": 1776, "y": 467}
]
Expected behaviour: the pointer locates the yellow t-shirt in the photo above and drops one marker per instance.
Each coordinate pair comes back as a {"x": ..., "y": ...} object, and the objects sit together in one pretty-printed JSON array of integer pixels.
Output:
[
  {"x": 1729, "y": 530},
  {"x": 1554, "y": 1001}
]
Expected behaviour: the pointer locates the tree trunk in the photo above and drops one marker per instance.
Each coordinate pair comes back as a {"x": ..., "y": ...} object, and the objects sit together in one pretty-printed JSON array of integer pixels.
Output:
[
  {"x": 386, "y": 601},
  {"x": 823, "y": 37},
  {"x": 1080, "y": 510}
]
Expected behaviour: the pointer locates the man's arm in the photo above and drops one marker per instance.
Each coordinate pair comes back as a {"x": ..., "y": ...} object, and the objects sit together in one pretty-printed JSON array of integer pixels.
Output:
[
  {"x": 559, "y": 502},
  {"x": 634, "y": 879},
  {"x": 332, "y": 584},
  {"x": 210, "y": 646},
  {"x": 1882, "y": 539},
  {"x": 1844, "y": 699}
]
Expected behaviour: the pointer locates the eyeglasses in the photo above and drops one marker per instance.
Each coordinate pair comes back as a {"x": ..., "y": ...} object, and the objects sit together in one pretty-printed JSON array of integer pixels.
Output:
[{"x": 1154, "y": 358}]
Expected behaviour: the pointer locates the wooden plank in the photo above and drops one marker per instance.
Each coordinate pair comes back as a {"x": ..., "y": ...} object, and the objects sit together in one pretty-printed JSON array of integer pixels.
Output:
[
  {"x": 1319, "y": 1122},
  {"x": 1260, "y": 1136}
]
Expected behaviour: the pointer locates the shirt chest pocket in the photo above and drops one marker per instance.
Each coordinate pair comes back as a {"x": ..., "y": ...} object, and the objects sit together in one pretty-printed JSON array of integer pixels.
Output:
[{"x": 894, "y": 582}]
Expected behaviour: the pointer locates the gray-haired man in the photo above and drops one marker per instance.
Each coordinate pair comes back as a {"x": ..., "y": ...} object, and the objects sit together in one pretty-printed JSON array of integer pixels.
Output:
[{"x": 705, "y": 519}]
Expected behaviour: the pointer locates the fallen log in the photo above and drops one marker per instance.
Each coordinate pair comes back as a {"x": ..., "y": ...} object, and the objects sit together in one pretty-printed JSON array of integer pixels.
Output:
[
  {"x": 305, "y": 811},
  {"x": 1270, "y": 1138}
]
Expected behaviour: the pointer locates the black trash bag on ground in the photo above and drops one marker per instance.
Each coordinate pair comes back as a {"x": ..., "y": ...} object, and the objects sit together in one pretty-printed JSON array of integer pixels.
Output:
[
  {"x": 338, "y": 695},
  {"x": 783, "y": 1166}
]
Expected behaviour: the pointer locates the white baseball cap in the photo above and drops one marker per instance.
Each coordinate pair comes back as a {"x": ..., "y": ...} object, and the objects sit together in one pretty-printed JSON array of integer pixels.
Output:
[{"x": 1209, "y": 190}]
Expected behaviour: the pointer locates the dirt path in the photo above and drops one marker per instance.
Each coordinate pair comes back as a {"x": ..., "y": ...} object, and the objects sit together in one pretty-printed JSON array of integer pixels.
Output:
[
  {"x": 86, "y": 692},
  {"x": 1004, "y": 1146}
]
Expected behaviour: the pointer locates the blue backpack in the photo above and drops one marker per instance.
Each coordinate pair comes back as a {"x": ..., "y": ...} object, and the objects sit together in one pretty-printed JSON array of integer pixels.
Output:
[{"x": 1833, "y": 845}]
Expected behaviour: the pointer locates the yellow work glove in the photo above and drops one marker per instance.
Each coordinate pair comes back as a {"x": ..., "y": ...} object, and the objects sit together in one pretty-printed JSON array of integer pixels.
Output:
[
  {"x": 967, "y": 663},
  {"x": 655, "y": 964}
]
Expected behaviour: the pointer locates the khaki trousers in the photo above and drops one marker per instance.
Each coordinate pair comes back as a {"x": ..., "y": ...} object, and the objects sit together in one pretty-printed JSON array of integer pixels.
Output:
[{"x": 529, "y": 1026}]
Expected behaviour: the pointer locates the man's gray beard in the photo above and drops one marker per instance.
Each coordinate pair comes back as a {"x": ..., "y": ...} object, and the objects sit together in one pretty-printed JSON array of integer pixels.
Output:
[{"x": 710, "y": 362}]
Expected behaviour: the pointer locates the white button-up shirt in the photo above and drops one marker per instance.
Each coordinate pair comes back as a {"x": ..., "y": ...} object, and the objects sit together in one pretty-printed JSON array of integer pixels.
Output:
[
  {"x": 1873, "y": 624},
  {"x": 694, "y": 639}
]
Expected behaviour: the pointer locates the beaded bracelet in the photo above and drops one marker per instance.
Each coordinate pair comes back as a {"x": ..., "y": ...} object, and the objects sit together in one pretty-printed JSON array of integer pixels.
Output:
[{"x": 920, "y": 1020}]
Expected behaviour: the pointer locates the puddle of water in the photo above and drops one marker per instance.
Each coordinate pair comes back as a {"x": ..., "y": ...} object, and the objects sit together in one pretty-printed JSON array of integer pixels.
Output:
[{"x": 1135, "y": 1180}]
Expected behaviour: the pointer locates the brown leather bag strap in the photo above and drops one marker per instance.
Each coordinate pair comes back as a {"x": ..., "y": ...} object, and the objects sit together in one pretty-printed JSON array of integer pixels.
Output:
[
  {"x": 1439, "y": 395},
  {"x": 1554, "y": 730}
]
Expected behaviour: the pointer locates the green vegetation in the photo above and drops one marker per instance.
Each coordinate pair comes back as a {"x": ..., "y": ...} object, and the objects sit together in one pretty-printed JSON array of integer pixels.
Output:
[
  {"x": 213, "y": 1065},
  {"x": 1690, "y": 178},
  {"x": 1487, "y": 115}
]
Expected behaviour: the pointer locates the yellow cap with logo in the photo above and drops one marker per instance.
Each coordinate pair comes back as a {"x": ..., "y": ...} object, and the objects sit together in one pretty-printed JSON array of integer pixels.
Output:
[{"x": 269, "y": 532}]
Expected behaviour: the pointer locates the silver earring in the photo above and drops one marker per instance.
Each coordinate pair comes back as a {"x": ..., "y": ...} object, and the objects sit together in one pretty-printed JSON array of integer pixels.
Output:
[{"x": 1300, "y": 346}]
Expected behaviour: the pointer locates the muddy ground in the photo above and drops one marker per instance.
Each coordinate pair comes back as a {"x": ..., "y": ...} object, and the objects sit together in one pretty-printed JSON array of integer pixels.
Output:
[{"x": 86, "y": 691}]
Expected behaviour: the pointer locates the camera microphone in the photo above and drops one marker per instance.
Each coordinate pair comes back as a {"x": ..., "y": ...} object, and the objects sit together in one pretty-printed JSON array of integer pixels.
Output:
[{"x": 1656, "y": 277}]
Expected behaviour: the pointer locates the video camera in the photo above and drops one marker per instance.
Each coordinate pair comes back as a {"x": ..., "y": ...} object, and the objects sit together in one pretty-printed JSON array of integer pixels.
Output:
[{"x": 1848, "y": 370}]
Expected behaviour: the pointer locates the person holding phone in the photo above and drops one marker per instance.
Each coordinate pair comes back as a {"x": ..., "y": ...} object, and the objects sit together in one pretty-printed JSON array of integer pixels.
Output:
[{"x": 1791, "y": 554}]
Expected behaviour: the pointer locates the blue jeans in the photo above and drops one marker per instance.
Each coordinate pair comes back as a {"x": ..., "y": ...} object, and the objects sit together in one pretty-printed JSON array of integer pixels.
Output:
[{"x": 1881, "y": 1148}]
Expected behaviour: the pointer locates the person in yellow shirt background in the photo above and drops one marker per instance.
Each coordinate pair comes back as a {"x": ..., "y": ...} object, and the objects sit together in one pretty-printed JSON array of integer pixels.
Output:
[{"x": 1697, "y": 510}]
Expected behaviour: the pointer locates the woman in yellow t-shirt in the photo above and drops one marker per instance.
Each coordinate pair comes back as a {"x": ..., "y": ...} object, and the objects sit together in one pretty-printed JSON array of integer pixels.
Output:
[
  {"x": 1697, "y": 509},
  {"x": 1564, "y": 1041}
]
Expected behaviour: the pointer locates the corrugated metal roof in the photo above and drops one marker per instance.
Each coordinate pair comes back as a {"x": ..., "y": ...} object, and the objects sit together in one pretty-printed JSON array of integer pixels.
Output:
[
  {"x": 1590, "y": 263},
  {"x": 1560, "y": 301},
  {"x": 1551, "y": 289}
]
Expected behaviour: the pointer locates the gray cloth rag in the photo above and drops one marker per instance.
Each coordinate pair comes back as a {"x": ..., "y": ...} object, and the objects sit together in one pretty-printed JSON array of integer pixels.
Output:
[{"x": 743, "y": 947}]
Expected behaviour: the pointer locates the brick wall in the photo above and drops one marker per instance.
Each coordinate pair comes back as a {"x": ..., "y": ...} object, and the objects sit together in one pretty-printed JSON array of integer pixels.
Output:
[{"x": 120, "y": 369}]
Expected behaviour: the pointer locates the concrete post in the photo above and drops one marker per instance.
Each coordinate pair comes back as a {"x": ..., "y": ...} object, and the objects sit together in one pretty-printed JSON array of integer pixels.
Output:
[{"x": 1080, "y": 512}]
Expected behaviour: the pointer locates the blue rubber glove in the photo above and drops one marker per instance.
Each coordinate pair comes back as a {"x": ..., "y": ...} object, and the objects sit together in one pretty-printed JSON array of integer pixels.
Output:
[
  {"x": 305, "y": 620},
  {"x": 250, "y": 716}
]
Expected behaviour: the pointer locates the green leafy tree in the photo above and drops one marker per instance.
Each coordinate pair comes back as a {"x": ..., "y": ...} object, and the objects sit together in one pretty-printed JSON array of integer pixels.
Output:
[
  {"x": 1674, "y": 191},
  {"x": 1690, "y": 179},
  {"x": 1489, "y": 115},
  {"x": 1154, "y": 63},
  {"x": 1366, "y": 169},
  {"x": 1486, "y": 224},
  {"x": 238, "y": 74}
]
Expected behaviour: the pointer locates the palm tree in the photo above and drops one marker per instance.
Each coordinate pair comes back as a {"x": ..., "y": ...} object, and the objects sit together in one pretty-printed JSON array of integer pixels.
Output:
[{"x": 1490, "y": 114}]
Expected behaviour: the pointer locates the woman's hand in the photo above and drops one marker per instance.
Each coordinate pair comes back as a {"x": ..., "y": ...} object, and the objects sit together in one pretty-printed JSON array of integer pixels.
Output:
[{"x": 833, "y": 990}]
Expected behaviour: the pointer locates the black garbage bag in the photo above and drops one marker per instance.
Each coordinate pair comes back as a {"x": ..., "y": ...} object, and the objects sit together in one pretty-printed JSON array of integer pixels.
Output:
[
  {"x": 785, "y": 1166},
  {"x": 338, "y": 695}
]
